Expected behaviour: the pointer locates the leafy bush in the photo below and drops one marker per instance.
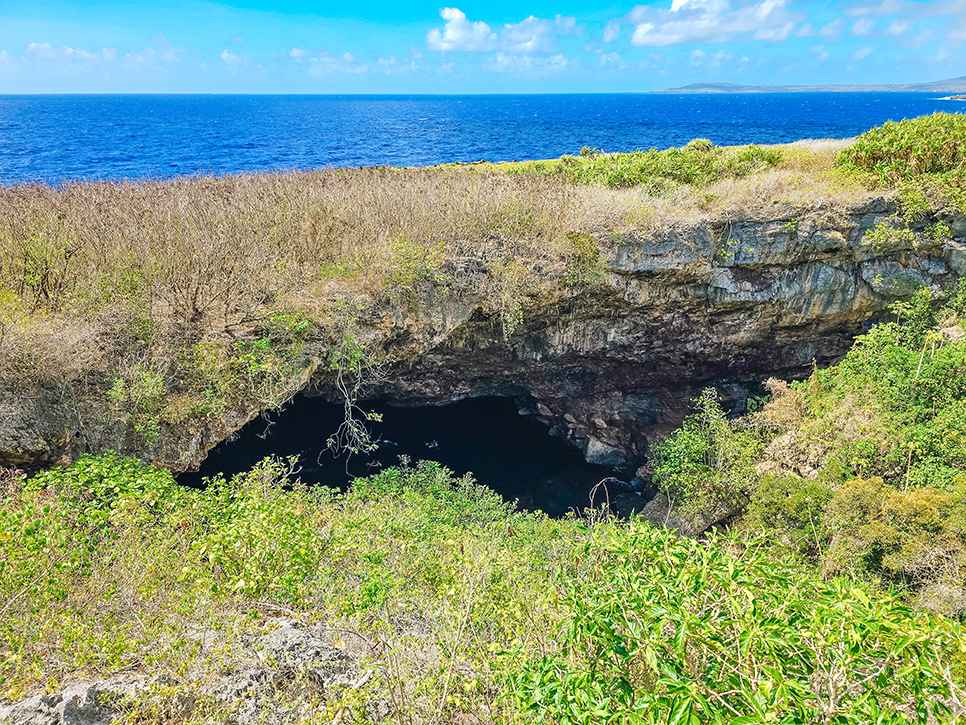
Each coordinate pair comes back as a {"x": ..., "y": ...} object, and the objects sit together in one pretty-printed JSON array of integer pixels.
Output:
[
  {"x": 473, "y": 609},
  {"x": 699, "y": 163},
  {"x": 668, "y": 630},
  {"x": 913, "y": 537},
  {"x": 707, "y": 462},
  {"x": 894, "y": 151}
]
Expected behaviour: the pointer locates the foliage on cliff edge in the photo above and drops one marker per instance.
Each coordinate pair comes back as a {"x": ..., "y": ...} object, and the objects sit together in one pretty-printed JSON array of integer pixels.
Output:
[{"x": 862, "y": 467}]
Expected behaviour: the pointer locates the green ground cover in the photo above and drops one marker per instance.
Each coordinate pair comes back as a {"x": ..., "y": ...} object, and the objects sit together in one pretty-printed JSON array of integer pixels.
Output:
[{"x": 485, "y": 613}]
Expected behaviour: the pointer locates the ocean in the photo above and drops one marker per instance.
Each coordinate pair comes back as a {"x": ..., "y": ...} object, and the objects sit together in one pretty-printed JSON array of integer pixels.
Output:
[{"x": 61, "y": 138}]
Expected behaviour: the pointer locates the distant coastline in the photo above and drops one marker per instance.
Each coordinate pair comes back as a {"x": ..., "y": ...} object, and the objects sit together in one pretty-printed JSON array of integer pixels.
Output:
[{"x": 955, "y": 86}]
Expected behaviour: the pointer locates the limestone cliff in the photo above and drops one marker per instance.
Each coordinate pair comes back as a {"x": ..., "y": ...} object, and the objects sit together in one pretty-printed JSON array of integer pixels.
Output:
[{"x": 717, "y": 302}]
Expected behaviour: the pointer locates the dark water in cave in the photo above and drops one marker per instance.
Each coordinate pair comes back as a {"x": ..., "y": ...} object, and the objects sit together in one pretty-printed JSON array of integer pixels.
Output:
[{"x": 510, "y": 453}]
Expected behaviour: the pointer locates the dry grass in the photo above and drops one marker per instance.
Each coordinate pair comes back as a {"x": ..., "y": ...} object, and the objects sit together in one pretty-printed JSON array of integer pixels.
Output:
[
  {"x": 216, "y": 250},
  {"x": 806, "y": 180},
  {"x": 114, "y": 279}
]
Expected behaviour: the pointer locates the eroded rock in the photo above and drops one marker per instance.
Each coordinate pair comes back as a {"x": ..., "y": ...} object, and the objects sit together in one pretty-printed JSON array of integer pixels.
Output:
[
  {"x": 713, "y": 303},
  {"x": 291, "y": 658}
]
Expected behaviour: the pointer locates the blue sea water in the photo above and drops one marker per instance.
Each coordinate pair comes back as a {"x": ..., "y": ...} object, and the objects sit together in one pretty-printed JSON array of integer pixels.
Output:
[{"x": 59, "y": 138}]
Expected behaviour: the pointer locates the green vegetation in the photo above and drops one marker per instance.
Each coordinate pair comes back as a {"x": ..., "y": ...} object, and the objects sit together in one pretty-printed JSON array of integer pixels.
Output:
[
  {"x": 897, "y": 150},
  {"x": 923, "y": 158},
  {"x": 479, "y": 612},
  {"x": 705, "y": 463},
  {"x": 834, "y": 599},
  {"x": 677, "y": 631},
  {"x": 697, "y": 164},
  {"x": 861, "y": 468}
]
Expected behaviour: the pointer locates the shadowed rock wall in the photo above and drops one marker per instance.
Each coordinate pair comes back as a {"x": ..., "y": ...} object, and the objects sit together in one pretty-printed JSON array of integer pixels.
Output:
[{"x": 723, "y": 303}]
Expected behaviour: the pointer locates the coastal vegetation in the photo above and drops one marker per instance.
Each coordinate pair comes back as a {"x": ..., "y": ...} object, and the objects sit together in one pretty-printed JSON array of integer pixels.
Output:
[
  {"x": 834, "y": 597},
  {"x": 193, "y": 295},
  {"x": 467, "y": 609},
  {"x": 860, "y": 469}
]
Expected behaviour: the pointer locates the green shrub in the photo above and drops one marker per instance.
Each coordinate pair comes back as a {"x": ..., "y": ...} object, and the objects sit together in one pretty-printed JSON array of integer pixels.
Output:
[
  {"x": 699, "y": 163},
  {"x": 913, "y": 537},
  {"x": 707, "y": 462},
  {"x": 894, "y": 151},
  {"x": 668, "y": 630},
  {"x": 791, "y": 510}
]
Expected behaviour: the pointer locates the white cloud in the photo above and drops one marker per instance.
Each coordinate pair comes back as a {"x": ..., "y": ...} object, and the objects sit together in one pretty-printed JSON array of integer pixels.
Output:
[
  {"x": 902, "y": 17},
  {"x": 298, "y": 53},
  {"x": 526, "y": 64},
  {"x": 145, "y": 57},
  {"x": 235, "y": 62},
  {"x": 819, "y": 52},
  {"x": 806, "y": 31},
  {"x": 415, "y": 52},
  {"x": 392, "y": 67},
  {"x": 832, "y": 30},
  {"x": 898, "y": 27},
  {"x": 862, "y": 53},
  {"x": 712, "y": 21},
  {"x": 325, "y": 65},
  {"x": 714, "y": 60},
  {"x": 886, "y": 7},
  {"x": 8, "y": 64},
  {"x": 958, "y": 33},
  {"x": 531, "y": 35},
  {"x": 611, "y": 31},
  {"x": 611, "y": 60},
  {"x": 43, "y": 50},
  {"x": 459, "y": 34},
  {"x": 775, "y": 34},
  {"x": 50, "y": 61},
  {"x": 567, "y": 25}
]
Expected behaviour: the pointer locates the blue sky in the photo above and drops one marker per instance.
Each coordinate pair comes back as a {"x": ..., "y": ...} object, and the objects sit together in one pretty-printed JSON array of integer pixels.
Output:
[{"x": 371, "y": 46}]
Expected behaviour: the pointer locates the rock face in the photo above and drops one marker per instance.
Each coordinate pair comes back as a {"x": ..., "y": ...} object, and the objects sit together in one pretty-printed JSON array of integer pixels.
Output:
[
  {"x": 722, "y": 303},
  {"x": 287, "y": 664}
]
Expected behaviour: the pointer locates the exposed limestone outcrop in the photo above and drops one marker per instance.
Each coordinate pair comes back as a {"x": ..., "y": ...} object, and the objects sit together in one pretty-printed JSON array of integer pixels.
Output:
[
  {"x": 272, "y": 681},
  {"x": 718, "y": 302}
]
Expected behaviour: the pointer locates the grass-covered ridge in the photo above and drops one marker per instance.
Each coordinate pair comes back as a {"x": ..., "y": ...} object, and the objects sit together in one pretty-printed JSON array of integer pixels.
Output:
[
  {"x": 478, "y": 612},
  {"x": 170, "y": 304}
]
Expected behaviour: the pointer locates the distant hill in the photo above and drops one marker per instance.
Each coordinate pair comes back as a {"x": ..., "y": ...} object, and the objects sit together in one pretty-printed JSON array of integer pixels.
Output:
[{"x": 950, "y": 85}]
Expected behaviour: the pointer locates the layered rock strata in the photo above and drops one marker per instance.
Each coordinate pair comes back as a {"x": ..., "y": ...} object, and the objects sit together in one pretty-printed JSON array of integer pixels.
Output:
[
  {"x": 716, "y": 303},
  {"x": 609, "y": 366}
]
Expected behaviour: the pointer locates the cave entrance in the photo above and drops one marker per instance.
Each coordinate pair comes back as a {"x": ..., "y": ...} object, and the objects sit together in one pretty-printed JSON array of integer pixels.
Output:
[{"x": 505, "y": 451}]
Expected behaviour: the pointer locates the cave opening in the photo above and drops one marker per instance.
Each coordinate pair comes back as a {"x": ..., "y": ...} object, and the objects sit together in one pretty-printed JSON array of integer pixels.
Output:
[{"x": 508, "y": 452}]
